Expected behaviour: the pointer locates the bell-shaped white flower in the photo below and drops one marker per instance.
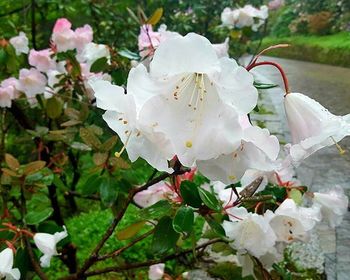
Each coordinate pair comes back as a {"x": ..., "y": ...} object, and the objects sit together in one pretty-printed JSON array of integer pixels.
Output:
[
  {"x": 6, "y": 264},
  {"x": 193, "y": 97},
  {"x": 312, "y": 126},
  {"x": 42, "y": 60},
  {"x": 291, "y": 222},
  {"x": 31, "y": 82},
  {"x": 122, "y": 116},
  {"x": 20, "y": 43},
  {"x": 156, "y": 271},
  {"x": 257, "y": 151},
  {"x": 250, "y": 232},
  {"x": 92, "y": 52},
  {"x": 46, "y": 243},
  {"x": 154, "y": 194},
  {"x": 334, "y": 205}
]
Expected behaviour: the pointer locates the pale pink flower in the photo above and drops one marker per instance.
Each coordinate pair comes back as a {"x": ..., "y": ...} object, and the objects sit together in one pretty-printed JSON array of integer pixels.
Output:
[
  {"x": 153, "y": 194},
  {"x": 156, "y": 271},
  {"x": 31, "y": 82},
  {"x": 42, "y": 60},
  {"x": 275, "y": 4},
  {"x": 20, "y": 43},
  {"x": 83, "y": 36},
  {"x": 148, "y": 40},
  {"x": 7, "y": 93},
  {"x": 63, "y": 36}
]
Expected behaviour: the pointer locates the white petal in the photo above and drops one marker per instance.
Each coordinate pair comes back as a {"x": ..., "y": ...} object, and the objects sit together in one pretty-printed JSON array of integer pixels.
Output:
[
  {"x": 6, "y": 260},
  {"x": 189, "y": 54}
]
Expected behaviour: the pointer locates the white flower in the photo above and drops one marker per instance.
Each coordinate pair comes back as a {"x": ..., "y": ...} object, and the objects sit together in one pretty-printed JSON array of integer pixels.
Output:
[
  {"x": 291, "y": 222},
  {"x": 20, "y": 43},
  {"x": 229, "y": 16},
  {"x": 46, "y": 243},
  {"x": 250, "y": 232},
  {"x": 153, "y": 194},
  {"x": 334, "y": 205},
  {"x": 258, "y": 150},
  {"x": 6, "y": 264},
  {"x": 83, "y": 36},
  {"x": 8, "y": 92},
  {"x": 222, "y": 49},
  {"x": 42, "y": 60},
  {"x": 31, "y": 82},
  {"x": 312, "y": 126},
  {"x": 122, "y": 116},
  {"x": 92, "y": 52},
  {"x": 63, "y": 36},
  {"x": 156, "y": 271},
  {"x": 200, "y": 97}
]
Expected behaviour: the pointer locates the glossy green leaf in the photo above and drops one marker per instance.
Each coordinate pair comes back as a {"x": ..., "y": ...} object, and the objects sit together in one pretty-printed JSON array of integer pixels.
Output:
[
  {"x": 209, "y": 199},
  {"x": 183, "y": 220},
  {"x": 108, "y": 191},
  {"x": 54, "y": 107},
  {"x": 129, "y": 54},
  {"x": 215, "y": 226},
  {"x": 92, "y": 184},
  {"x": 156, "y": 211},
  {"x": 165, "y": 237},
  {"x": 190, "y": 194},
  {"x": 100, "y": 65},
  {"x": 37, "y": 216}
]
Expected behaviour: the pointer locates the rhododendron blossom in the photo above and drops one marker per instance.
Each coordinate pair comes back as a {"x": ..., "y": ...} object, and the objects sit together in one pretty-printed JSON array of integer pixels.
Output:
[
  {"x": 46, "y": 243},
  {"x": 20, "y": 43},
  {"x": 8, "y": 92},
  {"x": 63, "y": 36},
  {"x": 31, "y": 82},
  {"x": 156, "y": 271},
  {"x": 258, "y": 150},
  {"x": 250, "y": 232},
  {"x": 6, "y": 266},
  {"x": 83, "y": 36},
  {"x": 195, "y": 89},
  {"x": 334, "y": 205},
  {"x": 42, "y": 60},
  {"x": 312, "y": 126}
]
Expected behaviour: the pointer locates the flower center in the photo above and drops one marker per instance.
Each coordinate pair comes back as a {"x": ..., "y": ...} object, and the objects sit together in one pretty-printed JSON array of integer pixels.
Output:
[{"x": 194, "y": 83}]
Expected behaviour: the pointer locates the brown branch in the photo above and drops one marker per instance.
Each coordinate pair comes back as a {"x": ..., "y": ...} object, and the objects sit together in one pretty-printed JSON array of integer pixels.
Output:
[
  {"x": 121, "y": 250},
  {"x": 151, "y": 262},
  {"x": 35, "y": 264}
]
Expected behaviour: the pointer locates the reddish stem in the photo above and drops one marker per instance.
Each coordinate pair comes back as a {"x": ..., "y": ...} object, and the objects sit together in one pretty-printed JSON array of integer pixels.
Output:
[{"x": 283, "y": 74}]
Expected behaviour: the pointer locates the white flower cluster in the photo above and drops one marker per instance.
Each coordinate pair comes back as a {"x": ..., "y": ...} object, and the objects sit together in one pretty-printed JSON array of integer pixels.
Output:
[
  {"x": 193, "y": 105},
  {"x": 248, "y": 16},
  {"x": 45, "y": 242},
  {"x": 43, "y": 76}
]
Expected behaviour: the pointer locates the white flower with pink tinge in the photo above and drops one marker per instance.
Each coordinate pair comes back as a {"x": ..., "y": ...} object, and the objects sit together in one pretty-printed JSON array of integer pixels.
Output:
[
  {"x": 8, "y": 92},
  {"x": 83, "y": 36},
  {"x": 156, "y": 271},
  {"x": 31, "y": 82},
  {"x": 6, "y": 264},
  {"x": 42, "y": 60},
  {"x": 63, "y": 36},
  {"x": 20, "y": 43},
  {"x": 312, "y": 126}
]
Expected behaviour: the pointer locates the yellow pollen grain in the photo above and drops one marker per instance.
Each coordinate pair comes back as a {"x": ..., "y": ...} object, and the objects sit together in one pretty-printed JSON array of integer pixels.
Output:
[
  {"x": 232, "y": 177},
  {"x": 188, "y": 144}
]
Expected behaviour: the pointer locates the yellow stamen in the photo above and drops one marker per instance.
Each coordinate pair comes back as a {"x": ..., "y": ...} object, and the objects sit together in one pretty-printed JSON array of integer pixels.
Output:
[
  {"x": 340, "y": 149},
  {"x": 188, "y": 144},
  {"x": 232, "y": 177},
  {"x": 118, "y": 154}
]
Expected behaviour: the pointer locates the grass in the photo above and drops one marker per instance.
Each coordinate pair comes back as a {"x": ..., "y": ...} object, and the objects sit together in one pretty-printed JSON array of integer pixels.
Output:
[{"x": 330, "y": 49}]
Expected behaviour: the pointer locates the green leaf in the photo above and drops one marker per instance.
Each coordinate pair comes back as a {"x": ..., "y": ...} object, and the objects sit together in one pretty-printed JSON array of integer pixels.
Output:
[
  {"x": 156, "y": 211},
  {"x": 165, "y": 237},
  {"x": 209, "y": 200},
  {"x": 100, "y": 65},
  {"x": 108, "y": 191},
  {"x": 157, "y": 15},
  {"x": 44, "y": 176},
  {"x": 38, "y": 216},
  {"x": 215, "y": 226},
  {"x": 190, "y": 194},
  {"x": 54, "y": 107},
  {"x": 183, "y": 220},
  {"x": 129, "y": 54},
  {"x": 130, "y": 231},
  {"x": 296, "y": 195}
]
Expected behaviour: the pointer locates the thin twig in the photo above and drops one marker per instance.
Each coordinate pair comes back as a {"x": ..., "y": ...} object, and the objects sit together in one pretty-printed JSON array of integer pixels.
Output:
[
  {"x": 121, "y": 250},
  {"x": 151, "y": 262}
]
